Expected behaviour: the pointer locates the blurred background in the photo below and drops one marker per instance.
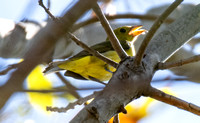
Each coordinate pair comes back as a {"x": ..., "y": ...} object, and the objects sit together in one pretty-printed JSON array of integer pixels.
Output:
[{"x": 23, "y": 107}]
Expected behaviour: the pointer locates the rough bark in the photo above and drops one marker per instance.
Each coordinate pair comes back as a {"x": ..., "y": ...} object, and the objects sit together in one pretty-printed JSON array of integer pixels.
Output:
[{"x": 130, "y": 82}]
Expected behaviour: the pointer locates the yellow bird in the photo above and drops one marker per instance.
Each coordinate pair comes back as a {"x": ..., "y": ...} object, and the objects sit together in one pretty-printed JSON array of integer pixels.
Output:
[{"x": 87, "y": 67}]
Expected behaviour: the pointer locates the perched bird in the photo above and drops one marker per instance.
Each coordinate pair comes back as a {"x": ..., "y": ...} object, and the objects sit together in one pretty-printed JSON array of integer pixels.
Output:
[{"x": 87, "y": 67}]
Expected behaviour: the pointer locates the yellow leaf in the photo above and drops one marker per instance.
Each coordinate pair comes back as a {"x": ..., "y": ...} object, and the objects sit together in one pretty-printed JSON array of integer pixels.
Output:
[
  {"x": 136, "y": 113},
  {"x": 36, "y": 81}
]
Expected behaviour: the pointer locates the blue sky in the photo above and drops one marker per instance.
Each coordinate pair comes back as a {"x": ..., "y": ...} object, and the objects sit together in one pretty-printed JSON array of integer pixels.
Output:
[{"x": 17, "y": 9}]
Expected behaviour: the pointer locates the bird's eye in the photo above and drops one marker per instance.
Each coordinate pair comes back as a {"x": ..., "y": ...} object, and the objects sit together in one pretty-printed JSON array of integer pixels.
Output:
[{"x": 122, "y": 30}]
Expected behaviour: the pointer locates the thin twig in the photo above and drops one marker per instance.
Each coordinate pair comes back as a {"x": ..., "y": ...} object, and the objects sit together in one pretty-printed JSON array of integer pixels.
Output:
[
  {"x": 54, "y": 90},
  {"x": 114, "y": 41},
  {"x": 70, "y": 87},
  {"x": 46, "y": 10},
  {"x": 44, "y": 91},
  {"x": 72, "y": 105},
  {"x": 89, "y": 88},
  {"x": 60, "y": 89},
  {"x": 92, "y": 51},
  {"x": 84, "y": 46},
  {"x": 10, "y": 67},
  {"x": 44, "y": 41},
  {"x": 171, "y": 100},
  {"x": 154, "y": 28},
  {"x": 81, "y": 44},
  {"x": 168, "y": 65},
  {"x": 119, "y": 16},
  {"x": 67, "y": 83},
  {"x": 173, "y": 79}
]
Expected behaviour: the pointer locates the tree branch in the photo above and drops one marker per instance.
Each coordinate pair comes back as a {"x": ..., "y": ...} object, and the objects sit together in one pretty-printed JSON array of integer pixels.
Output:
[
  {"x": 60, "y": 89},
  {"x": 175, "y": 35},
  {"x": 126, "y": 84},
  {"x": 170, "y": 79},
  {"x": 46, "y": 10},
  {"x": 44, "y": 42},
  {"x": 153, "y": 29},
  {"x": 44, "y": 91},
  {"x": 23, "y": 44},
  {"x": 10, "y": 67},
  {"x": 70, "y": 87},
  {"x": 67, "y": 83},
  {"x": 92, "y": 51},
  {"x": 81, "y": 44},
  {"x": 118, "y": 16},
  {"x": 171, "y": 100},
  {"x": 113, "y": 39},
  {"x": 72, "y": 105},
  {"x": 168, "y": 65},
  {"x": 130, "y": 82}
]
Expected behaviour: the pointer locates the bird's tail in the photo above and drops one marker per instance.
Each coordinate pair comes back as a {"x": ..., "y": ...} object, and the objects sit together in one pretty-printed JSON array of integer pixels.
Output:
[{"x": 52, "y": 67}]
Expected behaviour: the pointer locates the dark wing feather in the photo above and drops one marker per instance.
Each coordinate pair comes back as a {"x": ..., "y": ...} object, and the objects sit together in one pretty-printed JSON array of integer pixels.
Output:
[
  {"x": 74, "y": 75},
  {"x": 101, "y": 48}
]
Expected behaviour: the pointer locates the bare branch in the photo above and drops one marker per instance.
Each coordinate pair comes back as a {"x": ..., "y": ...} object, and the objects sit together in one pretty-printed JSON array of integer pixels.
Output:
[
  {"x": 81, "y": 44},
  {"x": 119, "y": 16},
  {"x": 59, "y": 89},
  {"x": 171, "y": 100},
  {"x": 92, "y": 51},
  {"x": 168, "y": 65},
  {"x": 154, "y": 28},
  {"x": 170, "y": 79},
  {"x": 46, "y": 9},
  {"x": 125, "y": 85},
  {"x": 10, "y": 67},
  {"x": 130, "y": 82},
  {"x": 44, "y": 42},
  {"x": 70, "y": 87},
  {"x": 44, "y": 91},
  {"x": 72, "y": 105},
  {"x": 114, "y": 41},
  {"x": 67, "y": 83}
]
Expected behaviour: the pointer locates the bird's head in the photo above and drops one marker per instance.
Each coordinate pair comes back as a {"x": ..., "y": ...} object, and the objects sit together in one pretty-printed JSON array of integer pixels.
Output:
[{"x": 128, "y": 33}]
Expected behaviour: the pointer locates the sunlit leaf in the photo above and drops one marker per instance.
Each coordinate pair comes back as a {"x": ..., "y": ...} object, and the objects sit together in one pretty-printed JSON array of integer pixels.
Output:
[
  {"x": 135, "y": 112},
  {"x": 37, "y": 81}
]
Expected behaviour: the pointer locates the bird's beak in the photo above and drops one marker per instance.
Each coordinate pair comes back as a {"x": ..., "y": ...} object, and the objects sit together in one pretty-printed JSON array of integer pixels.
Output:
[{"x": 136, "y": 30}]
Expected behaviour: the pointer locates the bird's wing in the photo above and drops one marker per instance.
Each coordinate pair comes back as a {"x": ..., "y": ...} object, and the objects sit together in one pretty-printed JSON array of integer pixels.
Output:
[
  {"x": 101, "y": 48},
  {"x": 74, "y": 75}
]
